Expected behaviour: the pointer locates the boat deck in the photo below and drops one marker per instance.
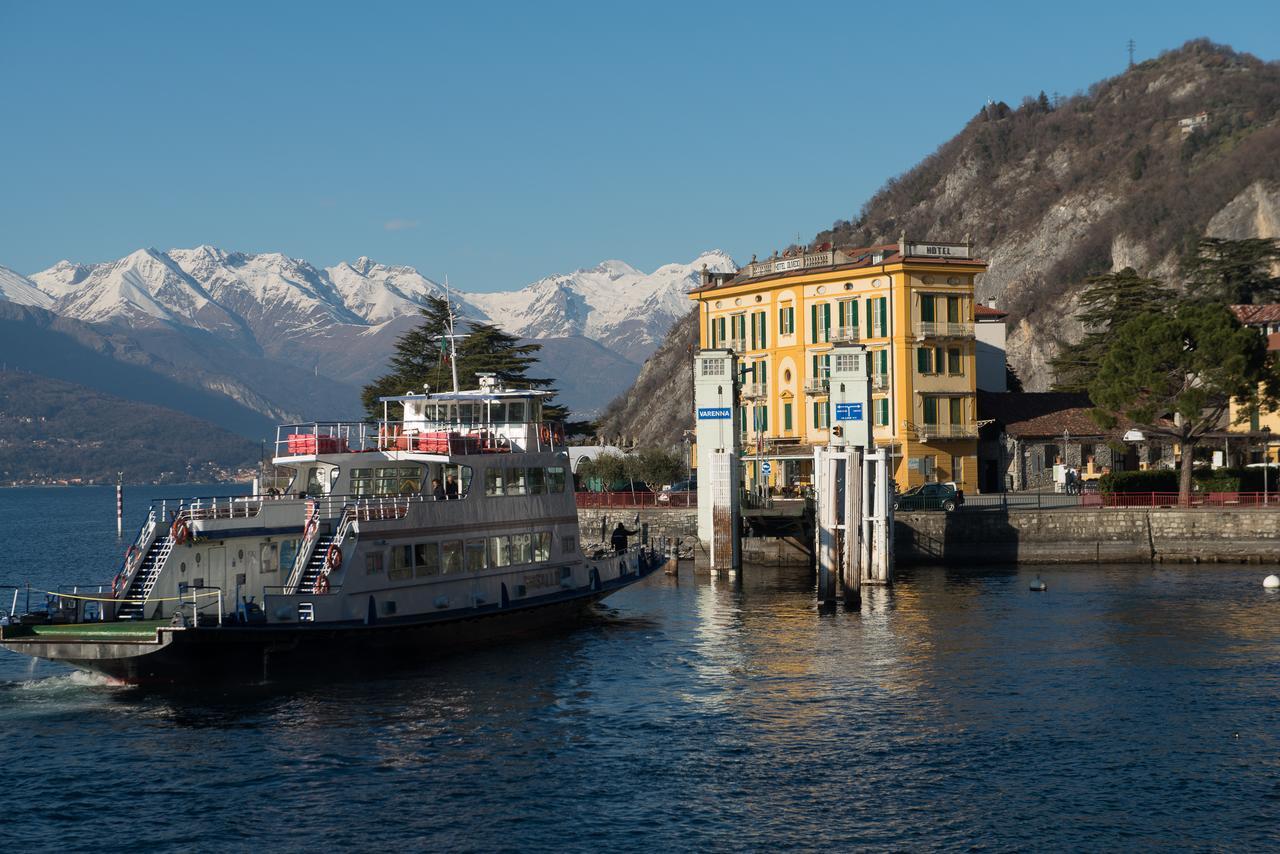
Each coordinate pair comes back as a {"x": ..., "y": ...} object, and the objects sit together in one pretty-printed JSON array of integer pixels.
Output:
[{"x": 124, "y": 630}]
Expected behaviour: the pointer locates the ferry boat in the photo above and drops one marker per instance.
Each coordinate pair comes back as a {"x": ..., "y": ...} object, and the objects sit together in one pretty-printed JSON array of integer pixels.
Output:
[{"x": 387, "y": 540}]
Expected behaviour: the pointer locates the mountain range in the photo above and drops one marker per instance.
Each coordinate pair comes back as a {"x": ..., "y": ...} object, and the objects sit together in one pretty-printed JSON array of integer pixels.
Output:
[{"x": 286, "y": 339}]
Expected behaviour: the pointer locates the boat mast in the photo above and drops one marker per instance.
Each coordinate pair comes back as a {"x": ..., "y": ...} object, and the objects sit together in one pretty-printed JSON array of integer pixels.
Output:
[{"x": 453, "y": 338}]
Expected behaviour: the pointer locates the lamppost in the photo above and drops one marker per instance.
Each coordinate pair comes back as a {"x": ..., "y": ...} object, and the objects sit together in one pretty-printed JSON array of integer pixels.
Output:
[{"x": 1266, "y": 463}]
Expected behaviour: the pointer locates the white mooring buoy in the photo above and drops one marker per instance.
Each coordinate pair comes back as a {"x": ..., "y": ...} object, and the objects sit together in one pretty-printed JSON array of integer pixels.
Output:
[
  {"x": 1038, "y": 586},
  {"x": 1271, "y": 582}
]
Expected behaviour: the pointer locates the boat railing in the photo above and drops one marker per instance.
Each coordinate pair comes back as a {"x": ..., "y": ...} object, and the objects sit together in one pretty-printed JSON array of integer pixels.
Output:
[
  {"x": 310, "y": 536},
  {"x": 455, "y": 437}
]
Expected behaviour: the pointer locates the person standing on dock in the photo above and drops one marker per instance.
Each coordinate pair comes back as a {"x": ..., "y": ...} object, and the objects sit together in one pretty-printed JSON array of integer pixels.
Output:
[{"x": 619, "y": 538}]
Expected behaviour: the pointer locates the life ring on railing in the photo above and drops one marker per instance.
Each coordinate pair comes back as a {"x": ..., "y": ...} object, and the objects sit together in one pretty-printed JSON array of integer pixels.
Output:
[
  {"x": 333, "y": 557},
  {"x": 117, "y": 585},
  {"x": 130, "y": 555},
  {"x": 181, "y": 530},
  {"x": 321, "y": 584},
  {"x": 544, "y": 433},
  {"x": 309, "y": 529}
]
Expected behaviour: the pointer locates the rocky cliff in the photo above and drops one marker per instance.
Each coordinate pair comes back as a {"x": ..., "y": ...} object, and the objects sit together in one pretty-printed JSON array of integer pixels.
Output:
[{"x": 1130, "y": 173}]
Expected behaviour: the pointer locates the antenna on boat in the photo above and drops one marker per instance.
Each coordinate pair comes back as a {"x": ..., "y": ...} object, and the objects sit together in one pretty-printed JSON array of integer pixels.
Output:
[{"x": 453, "y": 338}]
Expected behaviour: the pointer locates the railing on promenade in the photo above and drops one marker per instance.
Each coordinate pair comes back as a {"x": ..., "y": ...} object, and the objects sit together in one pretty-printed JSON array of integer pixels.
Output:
[
  {"x": 636, "y": 499},
  {"x": 1000, "y": 501},
  {"x": 1197, "y": 499}
]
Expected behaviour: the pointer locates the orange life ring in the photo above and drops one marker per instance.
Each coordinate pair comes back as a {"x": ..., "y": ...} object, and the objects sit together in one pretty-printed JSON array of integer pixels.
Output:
[
  {"x": 310, "y": 528},
  {"x": 181, "y": 531},
  {"x": 544, "y": 433},
  {"x": 117, "y": 585},
  {"x": 333, "y": 557},
  {"x": 321, "y": 584},
  {"x": 130, "y": 555}
]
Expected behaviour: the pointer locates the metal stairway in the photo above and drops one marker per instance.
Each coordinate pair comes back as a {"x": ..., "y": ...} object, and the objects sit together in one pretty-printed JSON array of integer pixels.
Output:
[
  {"x": 315, "y": 564},
  {"x": 134, "y": 599}
]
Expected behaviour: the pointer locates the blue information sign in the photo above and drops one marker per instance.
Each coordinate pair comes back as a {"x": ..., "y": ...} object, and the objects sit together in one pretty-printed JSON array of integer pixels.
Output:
[
  {"x": 766, "y": 467},
  {"x": 712, "y": 412},
  {"x": 848, "y": 411}
]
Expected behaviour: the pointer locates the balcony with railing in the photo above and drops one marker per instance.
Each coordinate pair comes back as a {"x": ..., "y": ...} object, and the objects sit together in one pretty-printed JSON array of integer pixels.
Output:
[
  {"x": 879, "y": 382},
  {"x": 755, "y": 391},
  {"x": 737, "y": 345},
  {"x": 929, "y": 432},
  {"x": 817, "y": 385},
  {"x": 943, "y": 329},
  {"x": 845, "y": 335}
]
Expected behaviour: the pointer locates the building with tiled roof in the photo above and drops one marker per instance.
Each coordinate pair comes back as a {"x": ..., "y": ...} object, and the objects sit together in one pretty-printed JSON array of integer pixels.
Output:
[{"x": 1265, "y": 423}]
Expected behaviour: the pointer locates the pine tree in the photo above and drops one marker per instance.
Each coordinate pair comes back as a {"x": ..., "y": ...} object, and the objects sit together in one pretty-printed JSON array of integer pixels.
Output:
[
  {"x": 1233, "y": 272},
  {"x": 1107, "y": 303},
  {"x": 422, "y": 358}
]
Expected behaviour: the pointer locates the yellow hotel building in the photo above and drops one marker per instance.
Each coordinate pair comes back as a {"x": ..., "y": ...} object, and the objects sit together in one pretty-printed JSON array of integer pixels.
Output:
[{"x": 910, "y": 304}]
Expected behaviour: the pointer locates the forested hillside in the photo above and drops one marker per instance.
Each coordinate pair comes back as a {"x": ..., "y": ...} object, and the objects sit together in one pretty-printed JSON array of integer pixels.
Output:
[
  {"x": 54, "y": 430},
  {"x": 1062, "y": 187}
]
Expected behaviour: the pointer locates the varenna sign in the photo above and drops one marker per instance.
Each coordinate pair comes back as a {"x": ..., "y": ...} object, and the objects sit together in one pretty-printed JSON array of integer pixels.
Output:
[{"x": 711, "y": 412}]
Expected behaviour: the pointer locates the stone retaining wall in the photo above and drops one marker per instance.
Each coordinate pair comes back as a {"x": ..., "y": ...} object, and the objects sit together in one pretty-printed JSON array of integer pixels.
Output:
[
  {"x": 1089, "y": 535},
  {"x": 680, "y": 524}
]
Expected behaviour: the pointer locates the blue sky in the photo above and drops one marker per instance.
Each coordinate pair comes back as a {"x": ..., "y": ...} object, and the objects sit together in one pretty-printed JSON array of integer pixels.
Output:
[{"x": 500, "y": 143}]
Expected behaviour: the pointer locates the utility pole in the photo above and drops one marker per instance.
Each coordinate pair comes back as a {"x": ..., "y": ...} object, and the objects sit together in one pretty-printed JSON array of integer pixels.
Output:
[{"x": 1131, "y": 47}]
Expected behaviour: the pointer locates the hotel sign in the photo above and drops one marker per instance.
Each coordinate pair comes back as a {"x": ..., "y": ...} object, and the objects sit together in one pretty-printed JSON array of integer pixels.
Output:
[{"x": 939, "y": 250}]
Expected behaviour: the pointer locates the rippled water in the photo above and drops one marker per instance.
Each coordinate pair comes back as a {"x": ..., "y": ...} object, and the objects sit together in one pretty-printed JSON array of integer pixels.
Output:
[{"x": 1125, "y": 707}]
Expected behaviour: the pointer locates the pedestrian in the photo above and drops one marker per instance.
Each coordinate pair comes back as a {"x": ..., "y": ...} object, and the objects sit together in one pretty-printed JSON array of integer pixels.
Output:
[
  {"x": 451, "y": 488},
  {"x": 619, "y": 538},
  {"x": 437, "y": 491}
]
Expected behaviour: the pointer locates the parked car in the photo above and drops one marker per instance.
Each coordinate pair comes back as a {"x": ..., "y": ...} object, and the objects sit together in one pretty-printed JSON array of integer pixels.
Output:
[
  {"x": 930, "y": 496},
  {"x": 683, "y": 488}
]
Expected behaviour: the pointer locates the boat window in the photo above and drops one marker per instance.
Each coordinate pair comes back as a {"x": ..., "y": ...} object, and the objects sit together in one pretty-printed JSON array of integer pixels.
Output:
[
  {"x": 515, "y": 411},
  {"x": 362, "y": 481},
  {"x": 493, "y": 481},
  {"x": 410, "y": 480},
  {"x": 515, "y": 481},
  {"x": 537, "y": 481},
  {"x": 426, "y": 559},
  {"x": 333, "y": 477},
  {"x": 521, "y": 548},
  {"x": 568, "y": 545},
  {"x": 388, "y": 481},
  {"x": 451, "y": 556},
  {"x": 542, "y": 546},
  {"x": 270, "y": 557},
  {"x": 467, "y": 413},
  {"x": 313, "y": 481},
  {"x": 555, "y": 479},
  {"x": 474, "y": 555},
  {"x": 499, "y": 551},
  {"x": 497, "y": 411},
  {"x": 289, "y": 552},
  {"x": 401, "y": 563},
  {"x": 373, "y": 563}
]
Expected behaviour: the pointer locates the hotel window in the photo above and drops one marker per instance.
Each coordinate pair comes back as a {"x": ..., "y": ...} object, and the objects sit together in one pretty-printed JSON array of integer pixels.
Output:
[
  {"x": 760, "y": 373},
  {"x": 881, "y": 405},
  {"x": 759, "y": 330},
  {"x": 931, "y": 410},
  {"x": 953, "y": 309},
  {"x": 786, "y": 418},
  {"x": 880, "y": 360},
  {"x": 717, "y": 331},
  {"x": 878, "y": 316},
  {"x": 926, "y": 308},
  {"x": 822, "y": 367},
  {"x": 848, "y": 315},
  {"x": 953, "y": 361},
  {"x": 426, "y": 559},
  {"x": 956, "y": 407},
  {"x": 924, "y": 360},
  {"x": 820, "y": 323},
  {"x": 787, "y": 321},
  {"x": 761, "y": 422},
  {"x": 821, "y": 415},
  {"x": 738, "y": 328}
]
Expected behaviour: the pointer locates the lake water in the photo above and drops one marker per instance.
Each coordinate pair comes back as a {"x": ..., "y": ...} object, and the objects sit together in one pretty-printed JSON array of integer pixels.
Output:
[{"x": 1125, "y": 707}]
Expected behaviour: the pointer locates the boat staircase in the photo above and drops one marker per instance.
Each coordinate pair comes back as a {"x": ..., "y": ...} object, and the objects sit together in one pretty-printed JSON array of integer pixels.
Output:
[
  {"x": 134, "y": 600},
  {"x": 315, "y": 549}
]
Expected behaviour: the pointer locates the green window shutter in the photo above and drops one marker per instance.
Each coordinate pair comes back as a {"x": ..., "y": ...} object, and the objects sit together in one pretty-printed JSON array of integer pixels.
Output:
[
  {"x": 813, "y": 323},
  {"x": 764, "y": 330},
  {"x": 884, "y": 410},
  {"x": 870, "y": 326},
  {"x": 842, "y": 304},
  {"x": 884, "y": 361},
  {"x": 853, "y": 313},
  {"x": 926, "y": 308},
  {"x": 753, "y": 332},
  {"x": 826, "y": 321},
  {"x": 957, "y": 410},
  {"x": 930, "y": 410},
  {"x": 786, "y": 417},
  {"x": 922, "y": 360},
  {"x": 816, "y": 422},
  {"x": 884, "y": 315},
  {"x": 939, "y": 360}
]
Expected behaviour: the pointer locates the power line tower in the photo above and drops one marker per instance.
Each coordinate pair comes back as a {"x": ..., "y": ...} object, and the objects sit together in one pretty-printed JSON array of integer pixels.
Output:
[{"x": 1131, "y": 47}]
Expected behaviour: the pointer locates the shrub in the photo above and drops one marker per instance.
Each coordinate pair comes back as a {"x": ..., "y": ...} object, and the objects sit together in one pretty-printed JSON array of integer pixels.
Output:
[{"x": 1153, "y": 480}]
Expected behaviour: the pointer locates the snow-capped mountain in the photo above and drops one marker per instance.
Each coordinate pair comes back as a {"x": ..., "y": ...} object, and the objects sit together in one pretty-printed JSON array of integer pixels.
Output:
[
  {"x": 342, "y": 322},
  {"x": 18, "y": 288}
]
